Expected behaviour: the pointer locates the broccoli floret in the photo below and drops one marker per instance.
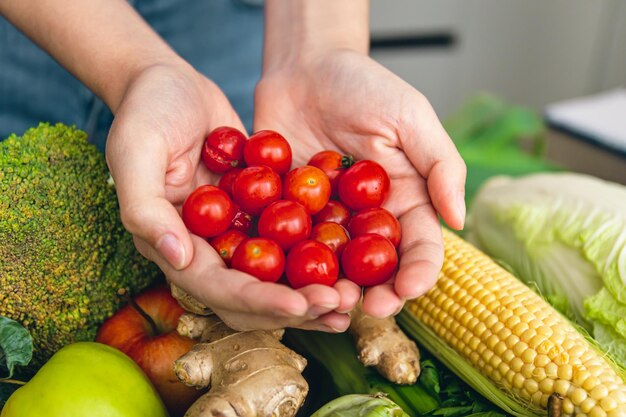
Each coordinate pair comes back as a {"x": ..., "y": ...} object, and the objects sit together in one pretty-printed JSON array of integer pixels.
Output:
[{"x": 63, "y": 250}]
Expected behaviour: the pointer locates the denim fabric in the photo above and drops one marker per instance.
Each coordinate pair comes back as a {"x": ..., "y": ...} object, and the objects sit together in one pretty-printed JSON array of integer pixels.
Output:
[{"x": 220, "y": 38}]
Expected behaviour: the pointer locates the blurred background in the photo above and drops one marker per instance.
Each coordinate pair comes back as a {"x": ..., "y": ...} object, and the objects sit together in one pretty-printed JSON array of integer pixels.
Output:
[{"x": 529, "y": 53}]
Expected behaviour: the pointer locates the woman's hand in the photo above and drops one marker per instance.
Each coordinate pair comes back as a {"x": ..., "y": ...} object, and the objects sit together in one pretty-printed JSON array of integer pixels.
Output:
[
  {"x": 153, "y": 151},
  {"x": 345, "y": 101}
]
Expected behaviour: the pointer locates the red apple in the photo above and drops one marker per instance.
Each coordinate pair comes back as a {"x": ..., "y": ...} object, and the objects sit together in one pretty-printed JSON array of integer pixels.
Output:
[{"x": 155, "y": 346}]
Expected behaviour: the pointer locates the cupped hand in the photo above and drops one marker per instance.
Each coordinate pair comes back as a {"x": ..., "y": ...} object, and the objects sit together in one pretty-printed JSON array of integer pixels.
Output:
[
  {"x": 153, "y": 152},
  {"x": 345, "y": 101}
]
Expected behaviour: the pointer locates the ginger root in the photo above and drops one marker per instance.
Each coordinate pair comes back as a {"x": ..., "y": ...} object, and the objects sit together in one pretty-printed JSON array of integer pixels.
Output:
[
  {"x": 250, "y": 374},
  {"x": 188, "y": 302},
  {"x": 381, "y": 343}
]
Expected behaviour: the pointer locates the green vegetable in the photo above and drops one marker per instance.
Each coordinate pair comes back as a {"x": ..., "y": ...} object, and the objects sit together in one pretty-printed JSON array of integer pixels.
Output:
[
  {"x": 63, "y": 250},
  {"x": 566, "y": 235},
  {"x": 86, "y": 379},
  {"x": 16, "y": 349},
  {"x": 357, "y": 405}
]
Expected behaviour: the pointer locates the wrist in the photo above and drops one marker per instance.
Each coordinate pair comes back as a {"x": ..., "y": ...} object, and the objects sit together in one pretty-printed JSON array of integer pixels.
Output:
[
  {"x": 300, "y": 31},
  {"x": 112, "y": 92}
]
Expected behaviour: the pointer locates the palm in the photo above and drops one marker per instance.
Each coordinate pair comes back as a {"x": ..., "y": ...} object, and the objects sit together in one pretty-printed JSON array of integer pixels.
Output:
[
  {"x": 347, "y": 120},
  {"x": 352, "y": 105},
  {"x": 177, "y": 118}
]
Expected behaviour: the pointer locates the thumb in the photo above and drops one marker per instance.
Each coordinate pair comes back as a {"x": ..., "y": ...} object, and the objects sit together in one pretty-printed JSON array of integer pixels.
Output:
[{"x": 139, "y": 168}]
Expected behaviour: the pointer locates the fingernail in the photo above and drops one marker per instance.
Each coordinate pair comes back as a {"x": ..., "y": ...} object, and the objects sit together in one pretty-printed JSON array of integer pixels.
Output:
[
  {"x": 318, "y": 310},
  {"x": 398, "y": 310},
  {"x": 461, "y": 207},
  {"x": 328, "y": 329},
  {"x": 344, "y": 311},
  {"x": 172, "y": 250}
]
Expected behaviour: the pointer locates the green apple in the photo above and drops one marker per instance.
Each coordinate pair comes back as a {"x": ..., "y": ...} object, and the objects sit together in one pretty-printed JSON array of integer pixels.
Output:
[{"x": 87, "y": 379}]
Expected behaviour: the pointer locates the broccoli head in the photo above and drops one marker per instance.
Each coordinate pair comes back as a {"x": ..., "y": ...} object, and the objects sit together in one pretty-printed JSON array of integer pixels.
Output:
[{"x": 64, "y": 253}]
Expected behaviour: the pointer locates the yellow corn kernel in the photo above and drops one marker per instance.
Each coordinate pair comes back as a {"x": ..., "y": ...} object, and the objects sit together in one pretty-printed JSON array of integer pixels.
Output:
[
  {"x": 599, "y": 392},
  {"x": 520, "y": 348},
  {"x": 578, "y": 396},
  {"x": 587, "y": 405},
  {"x": 565, "y": 372},
  {"x": 552, "y": 370},
  {"x": 547, "y": 386},
  {"x": 597, "y": 412},
  {"x": 608, "y": 403}
]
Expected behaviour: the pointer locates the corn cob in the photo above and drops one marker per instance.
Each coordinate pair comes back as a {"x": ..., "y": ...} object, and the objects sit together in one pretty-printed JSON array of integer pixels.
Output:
[{"x": 521, "y": 350}]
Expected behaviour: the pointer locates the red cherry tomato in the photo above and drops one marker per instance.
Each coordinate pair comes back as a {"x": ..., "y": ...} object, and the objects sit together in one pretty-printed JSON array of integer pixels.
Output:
[
  {"x": 332, "y": 235},
  {"x": 334, "y": 166},
  {"x": 376, "y": 220},
  {"x": 364, "y": 185},
  {"x": 269, "y": 148},
  {"x": 286, "y": 222},
  {"x": 255, "y": 188},
  {"x": 226, "y": 243},
  {"x": 311, "y": 262},
  {"x": 308, "y": 186},
  {"x": 334, "y": 211},
  {"x": 242, "y": 221},
  {"x": 208, "y": 211},
  {"x": 223, "y": 149},
  {"x": 260, "y": 257},
  {"x": 226, "y": 180},
  {"x": 369, "y": 260}
]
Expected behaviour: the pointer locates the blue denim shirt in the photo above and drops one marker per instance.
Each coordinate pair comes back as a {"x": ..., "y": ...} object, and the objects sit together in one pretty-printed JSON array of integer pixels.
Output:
[{"x": 220, "y": 38}]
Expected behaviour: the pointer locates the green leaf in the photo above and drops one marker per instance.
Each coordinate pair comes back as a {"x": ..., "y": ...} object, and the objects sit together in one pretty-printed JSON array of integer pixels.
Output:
[
  {"x": 429, "y": 378},
  {"x": 16, "y": 347},
  {"x": 453, "y": 411}
]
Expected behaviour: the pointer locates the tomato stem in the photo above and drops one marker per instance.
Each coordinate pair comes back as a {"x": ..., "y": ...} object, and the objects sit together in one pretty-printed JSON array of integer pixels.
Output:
[
  {"x": 124, "y": 293},
  {"x": 347, "y": 161}
]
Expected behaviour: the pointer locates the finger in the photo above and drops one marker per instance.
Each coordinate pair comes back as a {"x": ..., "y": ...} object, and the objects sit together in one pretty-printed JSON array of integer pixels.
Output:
[
  {"x": 446, "y": 187},
  {"x": 139, "y": 174},
  {"x": 331, "y": 323},
  {"x": 322, "y": 299},
  {"x": 434, "y": 155},
  {"x": 246, "y": 322},
  {"x": 349, "y": 293},
  {"x": 381, "y": 301},
  {"x": 421, "y": 252},
  {"x": 213, "y": 284}
]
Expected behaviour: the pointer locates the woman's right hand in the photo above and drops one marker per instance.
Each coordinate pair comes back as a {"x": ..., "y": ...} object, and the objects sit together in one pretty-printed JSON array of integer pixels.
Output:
[{"x": 153, "y": 152}]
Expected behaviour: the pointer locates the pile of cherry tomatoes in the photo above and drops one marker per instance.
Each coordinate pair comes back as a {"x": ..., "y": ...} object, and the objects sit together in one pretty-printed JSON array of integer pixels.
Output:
[{"x": 307, "y": 224}]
